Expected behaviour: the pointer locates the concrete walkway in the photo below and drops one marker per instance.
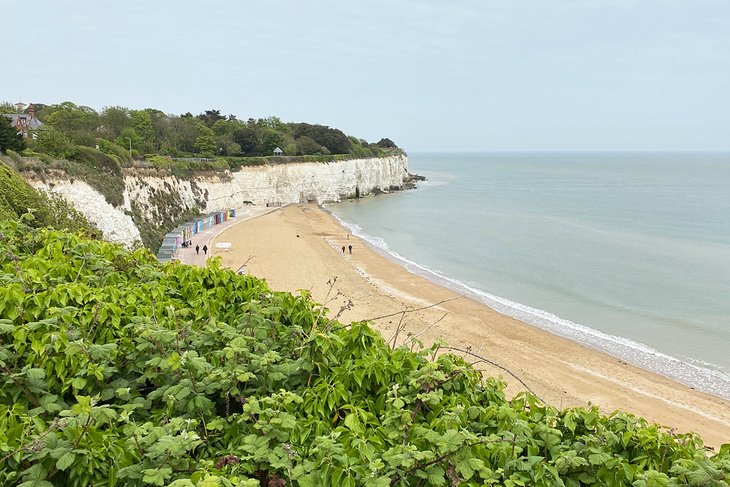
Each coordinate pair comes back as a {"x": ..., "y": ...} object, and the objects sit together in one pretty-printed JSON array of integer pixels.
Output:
[{"x": 187, "y": 255}]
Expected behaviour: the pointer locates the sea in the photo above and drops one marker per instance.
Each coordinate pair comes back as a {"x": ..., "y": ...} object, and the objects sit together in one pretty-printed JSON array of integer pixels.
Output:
[{"x": 627, "y": 253}]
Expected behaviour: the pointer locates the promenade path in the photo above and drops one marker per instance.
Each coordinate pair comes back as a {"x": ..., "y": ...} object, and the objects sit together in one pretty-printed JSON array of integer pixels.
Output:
[{"x": 187, "y": 255}]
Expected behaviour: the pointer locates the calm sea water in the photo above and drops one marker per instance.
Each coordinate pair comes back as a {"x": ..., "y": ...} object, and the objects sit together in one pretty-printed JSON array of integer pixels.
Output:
[{"x": 625, "y": 252}]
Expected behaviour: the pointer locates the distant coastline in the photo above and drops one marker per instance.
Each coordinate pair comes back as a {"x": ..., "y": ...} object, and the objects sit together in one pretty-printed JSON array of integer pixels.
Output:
[{"x": 558, "y": 182}]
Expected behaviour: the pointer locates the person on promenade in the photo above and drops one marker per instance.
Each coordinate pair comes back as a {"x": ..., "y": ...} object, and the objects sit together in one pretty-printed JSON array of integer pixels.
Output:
[
  {"x": 350, "y": 248},
  {"x": 197, "y": 249},
  {"x": 205, "y": 249}
]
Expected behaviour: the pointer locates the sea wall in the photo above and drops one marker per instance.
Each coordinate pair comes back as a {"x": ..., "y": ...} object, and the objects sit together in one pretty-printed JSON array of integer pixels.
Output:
[{"x": 158, "y": 196}]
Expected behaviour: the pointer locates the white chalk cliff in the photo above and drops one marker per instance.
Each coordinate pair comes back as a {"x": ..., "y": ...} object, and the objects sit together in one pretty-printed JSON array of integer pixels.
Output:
[{"x": 278, "y": 184}]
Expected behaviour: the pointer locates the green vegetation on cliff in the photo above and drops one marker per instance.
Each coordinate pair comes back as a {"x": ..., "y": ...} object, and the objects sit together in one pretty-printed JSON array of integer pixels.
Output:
[
  {"x": 10, "y": 139},
  {"x": 118, "y": 370},
  {"x": 127, "y": 133},
  {"x": 94, "y": 147},
  {"x": 17, "y": 198}
]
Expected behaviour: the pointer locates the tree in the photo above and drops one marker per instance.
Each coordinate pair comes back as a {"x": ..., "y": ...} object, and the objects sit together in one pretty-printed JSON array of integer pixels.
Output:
[
  {"x": 10, "y": 139},
  {"x": 227, "y": 146},
  {"x": 334, "y": 140},
  {"x": 6, "y": 107},
  {"x": 386, "y": 143},
  {"x": 183, "y": 131},
  {"x": 307, "y": 146},
  {"x": 210, "y": 117},
  {"x": 160, "y": 125},
  {"x": 113, "y": 121},
  {"x": 222, "y": 127},
  {"x": 270, "y": 140},
  {"x": 290, "y": 149},
  {"x": 54, "y": 143},
  {"x": 129, "y": 137},
  {"x": 141, "y": 121},
  {"x": 205, "y": 142},
  {"x": 248, "y": 140},
  {"x": 78, "y": 123}
]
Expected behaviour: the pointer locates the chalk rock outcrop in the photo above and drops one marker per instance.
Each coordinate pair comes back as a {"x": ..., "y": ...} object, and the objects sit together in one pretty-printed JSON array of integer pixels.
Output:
[
  {"x": 158, "y": 196},
  {"x": 115, "y": 222}
]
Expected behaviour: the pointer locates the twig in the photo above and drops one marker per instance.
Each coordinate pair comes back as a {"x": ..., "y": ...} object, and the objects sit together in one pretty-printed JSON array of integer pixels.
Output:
[
  {"x": 420, "y": 466},
  {"x": 399, "y": 328},
  {"x": 413, "y": 310},
  {"x": 483, "y": 359},
  {"x": 430, "y": 326},
  {"x": 53, "y": 427}
]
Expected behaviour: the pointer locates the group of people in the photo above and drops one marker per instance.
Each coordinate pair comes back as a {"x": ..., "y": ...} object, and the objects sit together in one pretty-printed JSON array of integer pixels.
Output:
[
  {"x": 349, "y": 247},
  {"x": 205, "y": 249}
]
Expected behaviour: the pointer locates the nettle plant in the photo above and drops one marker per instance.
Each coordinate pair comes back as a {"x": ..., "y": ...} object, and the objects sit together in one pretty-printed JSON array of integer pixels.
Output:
[{"x": 117, "y": 370}]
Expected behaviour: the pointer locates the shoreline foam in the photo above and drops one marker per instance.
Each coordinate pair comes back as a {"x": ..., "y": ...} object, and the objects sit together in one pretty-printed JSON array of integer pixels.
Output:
[{"x": 705, "y": 379}]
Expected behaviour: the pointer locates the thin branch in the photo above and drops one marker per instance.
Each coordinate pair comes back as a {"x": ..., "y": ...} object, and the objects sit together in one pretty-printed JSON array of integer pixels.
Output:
[
  {"x": 484, "y": 359},
  {"x": 399, "y": 328},
  {"x": 430, "y": 326},
  {"x": 420, "y": 466},
  {"x": 415, "y": 309}
]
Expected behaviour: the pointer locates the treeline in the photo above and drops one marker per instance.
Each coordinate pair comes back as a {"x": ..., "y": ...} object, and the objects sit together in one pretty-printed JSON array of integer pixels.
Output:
[{"x": 124, "y": 132}]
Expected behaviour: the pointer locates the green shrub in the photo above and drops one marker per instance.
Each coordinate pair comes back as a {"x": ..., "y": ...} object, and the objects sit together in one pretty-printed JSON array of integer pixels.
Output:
[
  {"x": 119, "y": 370},
  {"x": 17, "y": 198},
  {"x": 101, "y": 171},
  {"x": 112, "y": 149}
]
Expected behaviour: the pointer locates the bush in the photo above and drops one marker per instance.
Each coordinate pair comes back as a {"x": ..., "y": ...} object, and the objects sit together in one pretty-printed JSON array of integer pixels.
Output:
[
  {"x": 52, "y": 142},
  {"x": 17, "y": 198},
  {"x": 101, "y": 171},
  {"x": 119, "y": 368},
  {"x": 112, "y": 149}
]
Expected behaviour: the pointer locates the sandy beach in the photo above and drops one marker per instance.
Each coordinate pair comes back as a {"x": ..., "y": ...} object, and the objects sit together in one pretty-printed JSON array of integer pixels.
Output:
[{"x": 300, "y": 247}]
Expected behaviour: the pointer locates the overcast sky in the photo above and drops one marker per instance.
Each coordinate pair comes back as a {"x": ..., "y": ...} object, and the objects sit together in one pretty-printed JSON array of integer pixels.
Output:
[{"x": 430, "y": 74}]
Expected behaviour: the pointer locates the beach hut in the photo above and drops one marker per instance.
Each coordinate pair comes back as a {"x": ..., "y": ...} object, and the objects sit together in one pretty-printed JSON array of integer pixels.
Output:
[
  {"x": 171, "y": 241},
  {"x": 278, "y": 152},
  {"x": 232, "y": 212},
  {"x": 185, "y": 233}
]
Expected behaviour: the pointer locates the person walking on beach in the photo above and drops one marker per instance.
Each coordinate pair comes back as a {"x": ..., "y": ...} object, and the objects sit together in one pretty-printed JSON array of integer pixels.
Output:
[
  {"x": 205, "y": 249},
  {"x": 197, "y": 249},
  {"x": 343, "y": 249},
  {"x": 350, "y": 247}
]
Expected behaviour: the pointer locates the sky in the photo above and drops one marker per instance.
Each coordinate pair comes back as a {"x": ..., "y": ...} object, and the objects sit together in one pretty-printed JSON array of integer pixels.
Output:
[{"x": 432, "y": 75}]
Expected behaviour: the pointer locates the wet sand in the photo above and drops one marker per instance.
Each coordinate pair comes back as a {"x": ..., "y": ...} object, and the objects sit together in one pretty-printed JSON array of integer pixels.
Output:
[{"x": 300, "y": 247}]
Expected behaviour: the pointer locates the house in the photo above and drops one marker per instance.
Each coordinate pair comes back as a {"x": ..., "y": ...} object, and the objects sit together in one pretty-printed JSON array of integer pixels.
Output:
[
  {"x": 24, "y": 123},
  {"x": 278, "y": 152}
]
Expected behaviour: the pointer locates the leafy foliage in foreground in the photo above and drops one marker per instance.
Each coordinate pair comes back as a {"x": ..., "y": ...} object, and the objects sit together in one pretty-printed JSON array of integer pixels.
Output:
[{"x": 120, "y": 371}]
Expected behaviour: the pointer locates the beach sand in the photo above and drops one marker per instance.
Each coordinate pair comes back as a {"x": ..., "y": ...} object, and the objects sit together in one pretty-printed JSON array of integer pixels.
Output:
[{"x": 300, "y": 247}]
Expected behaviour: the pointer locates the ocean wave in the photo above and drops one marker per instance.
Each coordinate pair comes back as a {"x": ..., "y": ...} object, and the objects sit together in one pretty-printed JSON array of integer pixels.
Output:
[{"x": 698, "y": 374}]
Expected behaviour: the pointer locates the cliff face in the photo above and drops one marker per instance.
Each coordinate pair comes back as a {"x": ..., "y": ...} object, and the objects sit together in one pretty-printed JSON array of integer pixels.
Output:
[
  {"x": 158, "y": 197},
  {"x": 115, "y": 223}
]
